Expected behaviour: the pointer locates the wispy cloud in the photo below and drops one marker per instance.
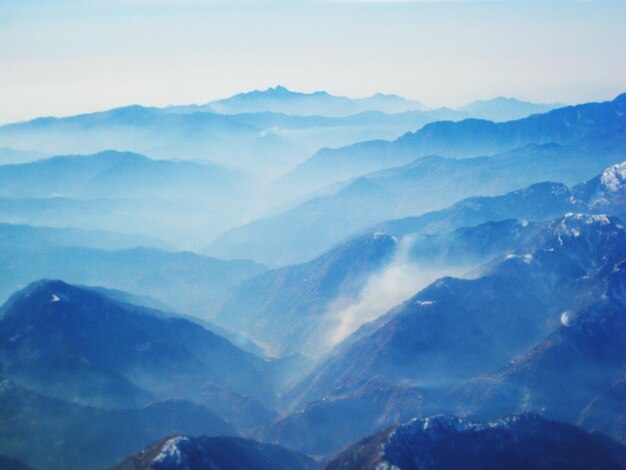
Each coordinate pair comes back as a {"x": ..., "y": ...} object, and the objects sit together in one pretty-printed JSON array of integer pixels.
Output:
[{"x": 394, "y": 284}]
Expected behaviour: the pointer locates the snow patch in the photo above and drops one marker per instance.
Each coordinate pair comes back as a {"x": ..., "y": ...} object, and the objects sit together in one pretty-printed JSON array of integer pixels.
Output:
[
  {"x": 527, "y": 258},
  {"x": 54, "y": 298},
  {"x": 565, "y": 320},
  {"x": 614, "y": 178},
  {"x": 170, "y": 452}
]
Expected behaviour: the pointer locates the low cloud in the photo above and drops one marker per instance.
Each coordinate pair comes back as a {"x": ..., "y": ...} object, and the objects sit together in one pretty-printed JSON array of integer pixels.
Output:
[{"x": 398, "y": 281}]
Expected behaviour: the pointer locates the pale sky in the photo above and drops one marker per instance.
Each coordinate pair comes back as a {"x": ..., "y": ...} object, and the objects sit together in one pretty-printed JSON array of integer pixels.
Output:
[{"x": 62, "y": 57}]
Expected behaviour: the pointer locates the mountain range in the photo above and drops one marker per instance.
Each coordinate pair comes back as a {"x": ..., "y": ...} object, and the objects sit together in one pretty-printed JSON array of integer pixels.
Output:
[
  {"x": 183, "y": 281},
  {"x": 502, "y": 109},
  {"x": 128, "y": 193},
  {"x": 437, "y": 291},
  {"x": 429, "y": 183},
  {"x": 266, "y": 132},
  {"x": 513, "y": 442},
  {"x": 117, "y": 175},
  {"x": 456, "y": 330},
  {"x": 600, "y": 125},
  {"x": 320, "y": 103},
  {"x": 79, "y": 345},
  {"x": 263, "y": 142},
  {"x": 293, "y": 308}
]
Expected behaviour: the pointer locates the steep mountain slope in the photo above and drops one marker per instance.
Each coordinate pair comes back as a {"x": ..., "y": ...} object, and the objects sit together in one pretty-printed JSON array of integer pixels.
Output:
[
  {"x": 187, "y": 282},
  {"x": 571, "y": 127},
  {"x": 482, "y": 320},
  {"x": 430, "y": 183},
  {"x": 457, "y": 329},
  {"x": 182, "y": 452},
  {"x": 78, "y": 345},
  {"x": 292, "y": 308},
  {"x": 303, "y": 308},
  {"x": 284, "y": 308},
  {"x": 514, "y": 442},
  {"x": 579, "y": 365},
  {"x": 54, "y": 434}
]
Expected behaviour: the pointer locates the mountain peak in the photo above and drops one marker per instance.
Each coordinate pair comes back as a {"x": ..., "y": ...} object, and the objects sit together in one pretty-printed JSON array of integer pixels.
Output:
[
  {"x": 180, "y": 452},
  {"x": 614, "y": 178},
  {"x": 524, "y": 441},
  {"x": 278, "y": 90}
]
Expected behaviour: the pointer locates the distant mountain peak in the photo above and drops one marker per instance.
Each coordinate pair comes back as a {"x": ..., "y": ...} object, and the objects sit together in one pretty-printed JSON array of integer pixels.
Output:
[
  {"x": 504, "y": 108},
  {"x": 279, "y": 90},
  {"x": 280, "y": 99}
]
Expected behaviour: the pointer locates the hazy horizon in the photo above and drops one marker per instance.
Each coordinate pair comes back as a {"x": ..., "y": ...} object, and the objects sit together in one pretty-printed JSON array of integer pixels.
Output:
[{"x": 71, "y": 57}]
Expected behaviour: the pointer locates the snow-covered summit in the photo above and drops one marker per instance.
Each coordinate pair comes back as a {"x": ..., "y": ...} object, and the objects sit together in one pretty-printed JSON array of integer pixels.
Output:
[
  {"x": 173, "y": 452},
  {"x": 613, "y": 179}
]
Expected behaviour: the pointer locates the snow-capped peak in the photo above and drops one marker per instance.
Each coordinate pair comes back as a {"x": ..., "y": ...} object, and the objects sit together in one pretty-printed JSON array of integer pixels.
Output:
[
  {"x": 614, "y": 178},
  {"x": 171, "y": 452}
]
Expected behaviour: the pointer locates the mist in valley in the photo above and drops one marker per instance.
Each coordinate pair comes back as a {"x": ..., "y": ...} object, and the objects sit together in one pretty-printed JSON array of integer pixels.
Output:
[{"x": 402, "y": 257}]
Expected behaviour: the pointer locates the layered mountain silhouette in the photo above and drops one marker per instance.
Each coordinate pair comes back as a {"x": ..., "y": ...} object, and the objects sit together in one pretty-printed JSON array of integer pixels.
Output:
[
  {"x": 514, "y": 442},
  {"x": 291, "y": 308},
  {"x": 117, "y": 175},
  {"x": 285, "y": 307},
  {"x": 79, "y": 345},
  {"x": 50, "y": 433},
  {"x": 128, "y": 193},
  {"x": 505, "y": 109},
  {"x": 320, "y": 103},
  {"x": 39, "y": 237},
  {"x": 453, "y": 288},
  {"x": 573, "y": 128},
  {"x": 455, "y": 330},
  {"x": 265, "y": 132},
  {"x": 184, "y": 281},
  {"x": 426, "y": 184}
]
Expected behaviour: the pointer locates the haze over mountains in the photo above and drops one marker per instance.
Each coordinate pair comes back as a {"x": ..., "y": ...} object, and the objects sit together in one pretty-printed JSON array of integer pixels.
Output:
[
  {"x": 212, "y": 286},
  {"x": 266, "y": 131}
]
